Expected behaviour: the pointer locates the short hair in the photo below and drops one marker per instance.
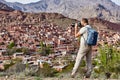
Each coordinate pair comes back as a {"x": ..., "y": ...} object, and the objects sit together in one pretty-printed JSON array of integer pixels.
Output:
[{"x": 85, "y": 20}]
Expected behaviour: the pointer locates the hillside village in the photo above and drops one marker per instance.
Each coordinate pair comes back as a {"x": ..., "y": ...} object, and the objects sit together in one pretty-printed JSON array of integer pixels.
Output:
[
  {"x": 61, "y": 42},
  {"x": 30, "y": 37}
]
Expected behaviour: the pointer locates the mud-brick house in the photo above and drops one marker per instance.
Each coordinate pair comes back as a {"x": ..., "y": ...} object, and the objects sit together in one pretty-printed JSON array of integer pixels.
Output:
[{"x": 18, "y": 55}]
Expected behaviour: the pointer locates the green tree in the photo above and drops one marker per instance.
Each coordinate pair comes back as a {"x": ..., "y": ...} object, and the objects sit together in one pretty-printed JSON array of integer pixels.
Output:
[
  {"x": 10, "y": 49},
  {"x": 44, "y": 49},
  {"x": 11, "y": 45}
]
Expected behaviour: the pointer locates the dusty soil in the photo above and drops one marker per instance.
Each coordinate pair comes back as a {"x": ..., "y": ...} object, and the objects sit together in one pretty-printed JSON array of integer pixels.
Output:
[{"x": 32, "y": 78}]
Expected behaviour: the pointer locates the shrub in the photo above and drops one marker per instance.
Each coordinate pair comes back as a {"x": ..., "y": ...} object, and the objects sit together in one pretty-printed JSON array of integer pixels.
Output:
[
  {"x": 16, "y": 68},
  {"x": 30, "y": 70},
  {"x": 38, "y": 78},
  {"x": 8, "y": 65},
  {"x": 47, "y": 71},
  {"x": 108, "y": 61}
]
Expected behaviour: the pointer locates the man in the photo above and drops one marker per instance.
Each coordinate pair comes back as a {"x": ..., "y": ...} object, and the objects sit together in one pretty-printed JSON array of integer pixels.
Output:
[{"x": 84, "y": 50}]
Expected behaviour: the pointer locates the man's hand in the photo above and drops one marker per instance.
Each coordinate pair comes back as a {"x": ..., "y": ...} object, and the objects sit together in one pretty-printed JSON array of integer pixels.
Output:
[
  {"x": 76, "y": 26},
  {"x": 77, "y": 34}
]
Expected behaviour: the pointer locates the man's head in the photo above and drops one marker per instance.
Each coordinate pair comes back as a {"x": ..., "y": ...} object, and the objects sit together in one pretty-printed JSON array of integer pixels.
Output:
[{"x": 84, "y": 21}]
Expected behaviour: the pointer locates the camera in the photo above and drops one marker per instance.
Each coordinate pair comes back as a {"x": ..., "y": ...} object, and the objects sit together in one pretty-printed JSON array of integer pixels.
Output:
[{"x": 79, "y": 24}]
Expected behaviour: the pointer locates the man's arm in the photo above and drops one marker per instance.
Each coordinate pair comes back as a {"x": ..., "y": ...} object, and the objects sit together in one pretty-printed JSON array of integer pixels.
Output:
[{"x": 77, "y": 34}]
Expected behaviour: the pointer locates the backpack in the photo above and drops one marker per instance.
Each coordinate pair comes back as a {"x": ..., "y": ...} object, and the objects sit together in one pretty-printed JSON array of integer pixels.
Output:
[{"x": 92, "y": 37}]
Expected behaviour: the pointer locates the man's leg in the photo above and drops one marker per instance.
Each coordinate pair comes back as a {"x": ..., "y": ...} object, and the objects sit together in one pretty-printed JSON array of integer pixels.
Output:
[
  {"x": 89, "y": 63},
  {"x": 79, "y": 57}
]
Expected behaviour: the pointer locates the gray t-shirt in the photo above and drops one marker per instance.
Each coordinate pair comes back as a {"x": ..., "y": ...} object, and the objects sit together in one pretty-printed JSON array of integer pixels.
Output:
[{"x": 83, "y": 31}]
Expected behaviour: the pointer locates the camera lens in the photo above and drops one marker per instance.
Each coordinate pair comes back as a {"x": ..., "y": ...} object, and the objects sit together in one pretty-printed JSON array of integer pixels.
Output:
[
  {"x": 79, "y": 24},
  {"x": 73, "y": 24}
]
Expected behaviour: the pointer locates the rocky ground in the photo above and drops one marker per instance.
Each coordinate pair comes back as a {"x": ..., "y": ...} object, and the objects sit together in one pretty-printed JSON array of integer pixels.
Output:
[{"x": 32, "y": 78}]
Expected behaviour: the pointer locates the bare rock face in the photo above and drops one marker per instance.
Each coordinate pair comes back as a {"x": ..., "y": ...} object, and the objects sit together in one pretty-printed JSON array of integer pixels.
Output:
[
  {"x": 4, "y": 7},
  {"x": 76, "y": 9}
]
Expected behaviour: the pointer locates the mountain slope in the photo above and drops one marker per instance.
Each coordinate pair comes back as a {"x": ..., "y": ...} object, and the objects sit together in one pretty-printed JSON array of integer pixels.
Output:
[
  {"x": 76, "y": 9},
  {"x": 4, "y": 7},
  {"x": 18, "y": 18}
]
